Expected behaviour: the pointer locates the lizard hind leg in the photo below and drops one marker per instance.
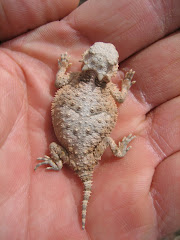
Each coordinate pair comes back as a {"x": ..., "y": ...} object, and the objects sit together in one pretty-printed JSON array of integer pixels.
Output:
[
  {"x": 119, "y": 150},
  {"x": 57, "y": 159}
]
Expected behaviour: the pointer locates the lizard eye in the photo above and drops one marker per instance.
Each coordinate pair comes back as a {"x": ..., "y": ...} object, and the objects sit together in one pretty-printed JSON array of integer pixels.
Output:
[{"x": 100, "y": 67}]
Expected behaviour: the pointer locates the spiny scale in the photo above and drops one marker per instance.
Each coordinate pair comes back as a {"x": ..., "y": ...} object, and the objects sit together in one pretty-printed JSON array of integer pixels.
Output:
[{"x": 84, "y": 113}]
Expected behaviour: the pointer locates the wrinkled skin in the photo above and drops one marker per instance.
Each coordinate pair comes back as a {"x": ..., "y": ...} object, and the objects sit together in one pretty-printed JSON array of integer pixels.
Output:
[{"x": 137, "y": 197}]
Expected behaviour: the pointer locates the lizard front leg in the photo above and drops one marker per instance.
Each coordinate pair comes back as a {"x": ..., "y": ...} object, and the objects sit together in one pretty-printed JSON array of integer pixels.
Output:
[
  {"x": 58, "y": 157},
  {"x": 127, "y": 82},
  {"x": 63, "y": 78},
  {"x": 119, "y": 150}
]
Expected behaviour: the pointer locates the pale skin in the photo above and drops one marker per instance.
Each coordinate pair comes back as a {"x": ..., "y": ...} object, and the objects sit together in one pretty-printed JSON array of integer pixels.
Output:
[{"x": 136, "y": 197}]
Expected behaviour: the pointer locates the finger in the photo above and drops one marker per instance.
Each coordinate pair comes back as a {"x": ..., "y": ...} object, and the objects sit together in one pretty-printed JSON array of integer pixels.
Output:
[
  {"x": 164, "y": 128},
  {"x": 130, "y": 25},
  {"x": 157, "y": 72},
  {"x": 165, "y": 191},
  {"x": 140, "y": 27},
  {"x": 21, "y": 16},
  {"x": 157, "y": 92}
]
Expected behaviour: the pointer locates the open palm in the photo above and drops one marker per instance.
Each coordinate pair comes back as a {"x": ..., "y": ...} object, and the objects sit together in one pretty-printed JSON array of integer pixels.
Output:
[{"x": 137, "y": 197}]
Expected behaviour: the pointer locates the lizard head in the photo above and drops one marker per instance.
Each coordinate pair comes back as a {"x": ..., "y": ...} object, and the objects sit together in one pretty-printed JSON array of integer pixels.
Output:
[{"x": 103, "y": 59}]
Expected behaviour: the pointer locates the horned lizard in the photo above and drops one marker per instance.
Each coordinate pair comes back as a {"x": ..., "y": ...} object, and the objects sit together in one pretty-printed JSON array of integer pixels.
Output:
[{"x": 84, "y": 113}]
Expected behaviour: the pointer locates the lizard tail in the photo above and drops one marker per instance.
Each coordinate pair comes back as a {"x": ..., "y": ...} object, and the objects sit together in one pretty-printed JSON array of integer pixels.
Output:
[
  {"x": 86, "y": 178},
  {"x": 87, "y": 193}
]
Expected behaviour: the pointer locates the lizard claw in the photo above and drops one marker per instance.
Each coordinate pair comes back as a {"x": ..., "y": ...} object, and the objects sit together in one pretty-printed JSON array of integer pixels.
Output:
[
  {"x": 64, "y": 61},
  {"x": 125, "y": 141},
  {"x": 129, "y": 76},
  {"x": 48, "y": 161}
]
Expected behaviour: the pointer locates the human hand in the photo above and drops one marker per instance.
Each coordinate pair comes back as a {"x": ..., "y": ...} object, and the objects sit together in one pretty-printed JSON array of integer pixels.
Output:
[{"x": 137, "y": 197}]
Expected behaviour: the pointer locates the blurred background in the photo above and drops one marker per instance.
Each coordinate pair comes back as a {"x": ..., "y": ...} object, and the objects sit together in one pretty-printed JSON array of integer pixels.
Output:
[{"x": 81, "y": 1}]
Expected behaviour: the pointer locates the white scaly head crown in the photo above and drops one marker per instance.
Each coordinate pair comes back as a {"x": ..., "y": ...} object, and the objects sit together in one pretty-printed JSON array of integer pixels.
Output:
[{"x": 103, "y": 59}]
